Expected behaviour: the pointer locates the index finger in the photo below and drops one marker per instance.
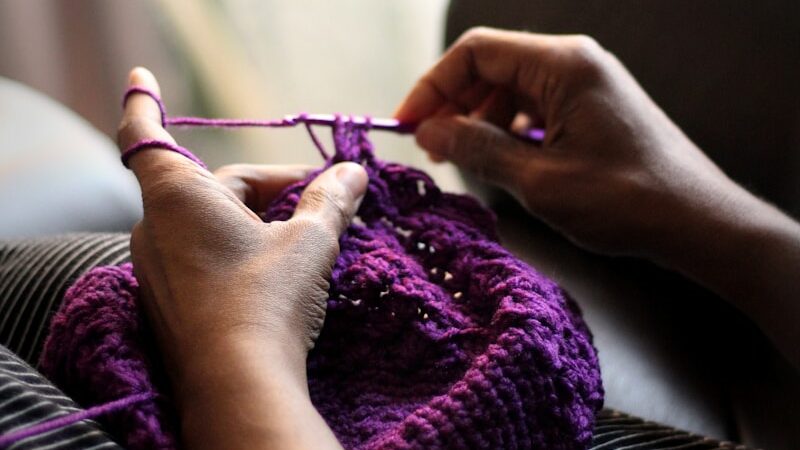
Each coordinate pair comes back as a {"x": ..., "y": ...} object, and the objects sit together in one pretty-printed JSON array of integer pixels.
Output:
[
  {"x": 502, "y": 58},
  {"x": 141, "y": 121}
]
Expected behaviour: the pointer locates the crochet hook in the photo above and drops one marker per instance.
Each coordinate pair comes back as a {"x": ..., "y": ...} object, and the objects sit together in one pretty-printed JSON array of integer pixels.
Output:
[{"x": 291, "y": 120}]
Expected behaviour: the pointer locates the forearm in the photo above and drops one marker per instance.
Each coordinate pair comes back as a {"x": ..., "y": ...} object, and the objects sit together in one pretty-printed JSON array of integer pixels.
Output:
[
  {"x": 748, "y": 252},
  {"x": 245, "y": 396}
]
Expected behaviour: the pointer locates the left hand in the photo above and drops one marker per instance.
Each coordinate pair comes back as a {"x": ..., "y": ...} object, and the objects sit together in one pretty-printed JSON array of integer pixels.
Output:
[{"x": 215, "y": 278}]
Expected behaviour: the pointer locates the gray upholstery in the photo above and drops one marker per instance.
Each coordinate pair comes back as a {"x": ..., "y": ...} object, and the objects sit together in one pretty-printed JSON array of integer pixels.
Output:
[{"x": 57, "y": 173}]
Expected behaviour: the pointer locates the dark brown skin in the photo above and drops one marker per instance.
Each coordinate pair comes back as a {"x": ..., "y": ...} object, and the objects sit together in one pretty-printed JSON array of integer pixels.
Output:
[
  {"x": 235, "y": 303},
  {"x": 614, "y": 174}
]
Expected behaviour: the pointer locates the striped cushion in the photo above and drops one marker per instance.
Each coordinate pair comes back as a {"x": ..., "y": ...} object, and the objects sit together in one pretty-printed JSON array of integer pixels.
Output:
[
  {"x": 27, "y": 398},
  {"x": 35, "y": 273},
  {"x": 616, "y": 430}
]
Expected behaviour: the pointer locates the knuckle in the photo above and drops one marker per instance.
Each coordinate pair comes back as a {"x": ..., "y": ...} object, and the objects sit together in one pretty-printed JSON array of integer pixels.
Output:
[
  {"x": 476, "y": 34},
  {"x": 585, "y": 43},
  {"x": 477, "y": 40},
  {"x": 131, "y": 129},
  {"x": 586, "y": 58}
]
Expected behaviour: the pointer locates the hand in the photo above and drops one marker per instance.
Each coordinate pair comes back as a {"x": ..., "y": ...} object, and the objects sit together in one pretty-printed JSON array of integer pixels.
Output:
[
  {"x": 234, "y": 302},
  {"x": 613, "y": 173}
]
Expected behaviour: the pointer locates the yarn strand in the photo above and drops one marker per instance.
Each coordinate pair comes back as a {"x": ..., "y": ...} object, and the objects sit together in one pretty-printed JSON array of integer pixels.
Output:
[
  {"x": 157, "y": 143},
  {"x": 308, "y": 120},
  {"x": 62, "y": 421},
  {"x": 364, "y": 123}
]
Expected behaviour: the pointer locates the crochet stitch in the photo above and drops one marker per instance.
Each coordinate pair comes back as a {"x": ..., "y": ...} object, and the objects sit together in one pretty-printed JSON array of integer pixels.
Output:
[{"x": 435, "y": 335}]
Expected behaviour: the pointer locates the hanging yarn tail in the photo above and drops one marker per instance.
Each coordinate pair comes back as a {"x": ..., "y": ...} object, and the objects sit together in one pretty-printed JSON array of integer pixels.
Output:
[{"x": 68, "y": 419}]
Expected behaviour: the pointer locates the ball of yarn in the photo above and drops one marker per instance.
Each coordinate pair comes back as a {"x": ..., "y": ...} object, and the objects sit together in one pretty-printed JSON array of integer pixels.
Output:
[{"x": 435, "y": 335}]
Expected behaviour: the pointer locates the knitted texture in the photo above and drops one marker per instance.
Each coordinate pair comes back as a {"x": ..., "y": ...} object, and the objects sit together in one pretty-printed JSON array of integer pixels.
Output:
[
  {"x": 435, "y": 335},
  {"x": 98, "y": 352}
]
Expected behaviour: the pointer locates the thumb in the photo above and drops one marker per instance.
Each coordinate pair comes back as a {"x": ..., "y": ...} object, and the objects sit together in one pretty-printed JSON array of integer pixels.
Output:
[
  {"x": 333, "y": 198},
  {"x": 477, "y": 146}
]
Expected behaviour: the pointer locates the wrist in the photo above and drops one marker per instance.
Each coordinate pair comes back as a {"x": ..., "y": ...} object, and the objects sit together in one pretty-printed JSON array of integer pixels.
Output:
[
  {"x": 231, "y": 364},
  {"x": 249, "y": 396},
  {"x": 693, "y": 217},
  {"x": 728, "y": 243}
]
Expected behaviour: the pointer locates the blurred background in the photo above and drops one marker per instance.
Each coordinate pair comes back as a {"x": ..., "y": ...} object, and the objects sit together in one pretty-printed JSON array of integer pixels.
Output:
[{"x": 230, "y": 58}]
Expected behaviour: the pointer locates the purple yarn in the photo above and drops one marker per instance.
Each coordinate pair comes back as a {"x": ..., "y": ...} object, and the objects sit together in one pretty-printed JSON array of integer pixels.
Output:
[
  {"x": 68, "y": 419},
  {"x": 143, "y": 90},
  {"x": 435, "y": 335},
  {"x": 97, "y": 352},
  {"x": 157, "y": 143}
]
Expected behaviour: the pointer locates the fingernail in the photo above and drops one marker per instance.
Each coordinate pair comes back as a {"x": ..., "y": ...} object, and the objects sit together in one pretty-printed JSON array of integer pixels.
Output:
[
  {"x": 134, "y": 76},
  {"x": 354, "y": 177},
  {"x": 434, "y": 137}
]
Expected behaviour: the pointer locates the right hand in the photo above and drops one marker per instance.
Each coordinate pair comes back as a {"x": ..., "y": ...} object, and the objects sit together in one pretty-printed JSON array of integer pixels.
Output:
[{"x": 614, "y": 174}]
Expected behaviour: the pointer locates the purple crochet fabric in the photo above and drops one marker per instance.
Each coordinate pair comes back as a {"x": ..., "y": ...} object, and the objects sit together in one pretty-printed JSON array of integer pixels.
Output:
[{"x": 435, "y": 335}]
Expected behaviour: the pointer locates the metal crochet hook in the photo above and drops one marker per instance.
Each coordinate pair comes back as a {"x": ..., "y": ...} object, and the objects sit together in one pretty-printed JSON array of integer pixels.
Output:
[
  {"x": 369, "y": 122},
  {"x": 292, "y": 120}
]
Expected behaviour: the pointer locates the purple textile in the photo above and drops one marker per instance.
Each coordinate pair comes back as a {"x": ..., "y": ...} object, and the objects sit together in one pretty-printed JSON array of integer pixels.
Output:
[
  {"x": 98, "y": 352},
  {"x": 435, "y": 335}
]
